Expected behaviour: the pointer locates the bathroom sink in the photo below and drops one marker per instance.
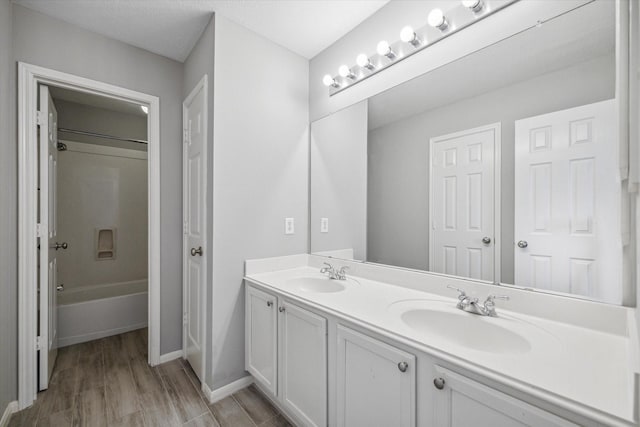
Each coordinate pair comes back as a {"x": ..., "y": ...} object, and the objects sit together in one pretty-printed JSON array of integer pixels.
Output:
[
  {"x": 319, "y": 284},
  {"x": 431, "y": 319}
]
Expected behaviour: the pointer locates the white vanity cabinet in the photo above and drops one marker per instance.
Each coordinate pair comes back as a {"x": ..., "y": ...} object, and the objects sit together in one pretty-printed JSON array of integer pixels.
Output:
[
  {"x": 461, "y": 402},
  {"x": 376, "y": 382},
  {"x": 286, "y": 352}
]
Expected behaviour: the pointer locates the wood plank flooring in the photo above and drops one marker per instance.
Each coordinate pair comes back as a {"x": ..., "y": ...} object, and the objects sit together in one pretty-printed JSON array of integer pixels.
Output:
[{"x": 108, "y": 382}]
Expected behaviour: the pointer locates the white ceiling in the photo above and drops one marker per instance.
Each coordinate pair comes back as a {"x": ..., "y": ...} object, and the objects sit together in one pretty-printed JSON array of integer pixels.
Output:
[{"x": 172, "y": 27}]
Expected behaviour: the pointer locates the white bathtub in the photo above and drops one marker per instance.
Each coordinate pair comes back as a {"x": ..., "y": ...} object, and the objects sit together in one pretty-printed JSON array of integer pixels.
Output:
[{"x": 100, "y": 311}]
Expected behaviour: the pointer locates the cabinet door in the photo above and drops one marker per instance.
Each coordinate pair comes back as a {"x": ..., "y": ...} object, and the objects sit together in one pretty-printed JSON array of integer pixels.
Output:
[
  {"x": 261, "y": 337},
  {"x": 375, "y": 382},
  {"x": 463, "y": 402},
  {"x": 303, "y": 364}
]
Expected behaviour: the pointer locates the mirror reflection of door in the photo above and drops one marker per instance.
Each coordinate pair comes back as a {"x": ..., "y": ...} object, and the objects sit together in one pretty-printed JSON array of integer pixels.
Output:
[
  {"x": 567, "y": 202},
  {"x": 462, "y": 207}
]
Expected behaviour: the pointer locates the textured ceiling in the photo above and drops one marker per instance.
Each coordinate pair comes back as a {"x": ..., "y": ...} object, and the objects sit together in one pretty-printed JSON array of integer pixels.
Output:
[{"x": 172, "y": 27}]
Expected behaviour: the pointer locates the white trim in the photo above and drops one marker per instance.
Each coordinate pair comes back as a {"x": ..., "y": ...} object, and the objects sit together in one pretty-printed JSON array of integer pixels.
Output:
[
  {"x": 77, "y": 339},
  {"x": 12, "y": 407},
  {"x": 168, "y": 357},
  {"x": 29, "y": 77},
  {"x": 497, "y": 196},
  {"x": 202, "y": 85},
  {"x": 103, "y": 150},
  {"x": 227, "y": 390}
]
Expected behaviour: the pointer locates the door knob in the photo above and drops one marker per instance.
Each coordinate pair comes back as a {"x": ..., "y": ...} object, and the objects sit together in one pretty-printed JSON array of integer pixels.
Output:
[
  {"x": 403, "y": 366},
  {"x": 522, "y": 244},
  {"x": 438, "y": 383},
  {"x": 269, "y": 303},
  {"x": 281, "y": 309},
  {"x": 195, "y": 251},
  {"x": 63, "y": 245},
  {"x": 60, "y": 287},
  {"x": 486, "y": 240}
]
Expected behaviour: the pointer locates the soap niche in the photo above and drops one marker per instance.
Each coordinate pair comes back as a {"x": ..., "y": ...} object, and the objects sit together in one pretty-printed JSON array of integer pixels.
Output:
[{"x": 105, "y": 239}]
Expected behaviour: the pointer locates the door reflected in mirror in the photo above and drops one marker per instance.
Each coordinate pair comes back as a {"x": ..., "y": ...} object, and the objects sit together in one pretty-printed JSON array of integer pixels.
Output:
[{"x": 501, "y": 166}]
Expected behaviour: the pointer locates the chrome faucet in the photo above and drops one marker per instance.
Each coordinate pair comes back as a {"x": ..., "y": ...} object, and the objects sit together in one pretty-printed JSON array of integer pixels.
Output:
[
  {"x": 334, "y": 274},
  {"x": 471, "y": 305}
]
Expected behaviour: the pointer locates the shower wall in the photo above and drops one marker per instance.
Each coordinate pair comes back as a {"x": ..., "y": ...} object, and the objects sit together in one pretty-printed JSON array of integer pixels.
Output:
[{"x": 101, "y": 188}]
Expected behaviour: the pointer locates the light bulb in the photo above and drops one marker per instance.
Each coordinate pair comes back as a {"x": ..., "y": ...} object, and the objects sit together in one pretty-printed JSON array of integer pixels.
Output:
[
  {"x": 474, "y": 5},
  {"x": 407, "y": 35},
  {"x": 346, "y": 72},
  {"x": 385, "y": 50},
  {"x": 437, "y": 19},
  {"x": 363, "y": 61},
  {"x": 327, "y": 80},
  {"x": 144, "y": 109}
]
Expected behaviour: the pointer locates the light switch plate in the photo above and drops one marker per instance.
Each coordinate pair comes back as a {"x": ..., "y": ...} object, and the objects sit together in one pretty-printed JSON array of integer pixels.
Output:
[
  {"x": 324, "y": 225},
  {"x": 288, "y": 226}
]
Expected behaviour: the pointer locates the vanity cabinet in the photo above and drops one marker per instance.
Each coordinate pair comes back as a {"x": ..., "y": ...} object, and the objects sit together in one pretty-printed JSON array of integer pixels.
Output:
[
  {"x": 376, "y": 382},
  {"x": 461, "y": 402},
  {"x": 286, "y": 352}
]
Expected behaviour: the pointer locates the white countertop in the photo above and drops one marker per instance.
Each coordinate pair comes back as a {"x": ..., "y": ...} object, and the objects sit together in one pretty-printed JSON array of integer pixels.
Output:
[{"x": 583, "y": 370}]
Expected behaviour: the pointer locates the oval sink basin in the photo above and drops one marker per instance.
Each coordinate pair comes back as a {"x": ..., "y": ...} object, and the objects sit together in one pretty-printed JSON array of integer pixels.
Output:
[
  {"x": 320, "y": 285},
  {"x": 467, "y": 330}
]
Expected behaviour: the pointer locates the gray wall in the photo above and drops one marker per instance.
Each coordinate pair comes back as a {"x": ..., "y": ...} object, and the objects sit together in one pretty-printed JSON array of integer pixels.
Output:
[
  {"x": 199, "y": 63},
  {"x": 339, "y": 181},
  {"x": 51, "y": 43},
  {"x": 76, "y": 116},
  {"x": 399, "y": 157},
  {"x": 260, "y": 174},
  {"x": 8, "y": 214}
]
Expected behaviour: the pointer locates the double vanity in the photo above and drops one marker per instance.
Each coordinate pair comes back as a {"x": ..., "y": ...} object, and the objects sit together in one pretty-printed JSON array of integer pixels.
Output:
[{"x": 382, "y": 346}]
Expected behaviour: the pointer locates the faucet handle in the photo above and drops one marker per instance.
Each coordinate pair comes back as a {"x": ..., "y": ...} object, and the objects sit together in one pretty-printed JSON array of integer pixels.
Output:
[
  {"x": 490, "y": 305},
  {"x": 490, "y": 298},
  {"x": 462, "y": 294},
  {"x": 343, "y": 269},
  {"x": 328, "y": 267}
]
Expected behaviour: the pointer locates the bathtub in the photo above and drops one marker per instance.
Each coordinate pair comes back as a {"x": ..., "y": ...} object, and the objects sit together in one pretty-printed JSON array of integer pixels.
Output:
[{"x": 93, "y": 312}]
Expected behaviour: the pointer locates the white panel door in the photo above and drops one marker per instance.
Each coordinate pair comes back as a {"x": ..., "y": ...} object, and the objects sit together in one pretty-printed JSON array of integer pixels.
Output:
[
  {"x": 567, "y": 202},
  {"x": 462, "y": 402},
  {"x": 261, "y": 335},
  {"x": 194, "y": 217},
  {"x": 463, "y": 237},
  {"x": 375, "y": 383},
  {"x": 303, "y": 363},
  {"x": 48, "y": 305}
]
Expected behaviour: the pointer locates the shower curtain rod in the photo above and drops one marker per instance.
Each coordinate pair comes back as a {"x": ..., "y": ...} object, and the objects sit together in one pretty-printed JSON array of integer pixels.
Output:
[{"x": 100, "y": 135}]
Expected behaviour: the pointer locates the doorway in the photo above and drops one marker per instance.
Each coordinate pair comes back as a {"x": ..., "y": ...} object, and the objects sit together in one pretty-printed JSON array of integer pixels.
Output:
[{"x": 38, "y": 134}]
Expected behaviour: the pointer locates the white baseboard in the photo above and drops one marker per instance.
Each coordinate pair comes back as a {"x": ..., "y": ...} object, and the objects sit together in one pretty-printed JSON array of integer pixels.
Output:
[
  {"x": 9, "y": 410},
  {"x": 77, "y": 339},
  {"x": 227, "y": 390},
  {"x": 168, "y": 357}
]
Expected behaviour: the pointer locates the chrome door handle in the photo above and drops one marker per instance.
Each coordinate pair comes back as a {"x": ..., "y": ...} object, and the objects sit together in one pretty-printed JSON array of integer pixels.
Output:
[
  {"x": 486, "y": 240},
  {"x": 439, "y": 383},
  {"x": 522, "y": 244},
  {"x": 63, "y": 245},
  {"x": 60, "y": 287},
  {"x": 195, "y": 251},
  {"x": 403, "y": 366}
]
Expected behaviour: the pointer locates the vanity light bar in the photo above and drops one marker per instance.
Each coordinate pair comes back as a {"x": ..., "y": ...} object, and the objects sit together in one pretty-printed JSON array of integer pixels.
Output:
[{"x": 439, "y": 26}]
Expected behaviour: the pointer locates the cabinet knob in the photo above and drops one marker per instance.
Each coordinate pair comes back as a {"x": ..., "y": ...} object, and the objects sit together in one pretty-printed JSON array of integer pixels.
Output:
[
  {"x": 269, "y": 303},
  {"x": 281, "y": 309},
  {"x": 403, "y": 366},
  {"x": 439, "y": 383}
]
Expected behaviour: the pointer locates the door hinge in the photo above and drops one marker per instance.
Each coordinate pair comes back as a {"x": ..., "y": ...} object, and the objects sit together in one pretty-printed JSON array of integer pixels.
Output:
[
  {"x": 184, "y": 319},
  {"x": 41, "y": 118},
  {"x": 38, "y": 343},
  {"x": 185, "y": 137},
  {"x": 185, "y": 227},
  {"x": 39, "y": 230}
]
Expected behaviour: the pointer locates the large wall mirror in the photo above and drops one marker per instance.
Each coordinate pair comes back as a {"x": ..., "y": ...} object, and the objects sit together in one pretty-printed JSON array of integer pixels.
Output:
[{"x": 502, "y": 166}]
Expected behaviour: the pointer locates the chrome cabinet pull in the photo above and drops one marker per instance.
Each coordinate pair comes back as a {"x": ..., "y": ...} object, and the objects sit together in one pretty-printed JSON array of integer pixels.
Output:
[
  {"x": 60, "y": 287},
  {"x": 281, "y": 309},
  {"x": 269, "y": 303},
  {"x": 403, "y": 366},
  {"x": 63, "y": 245},
  {"x": 522, "y": 244},
  {"x": 486, "y": 240},
  {"x": 195, "y": 251},
  {"x": 439, "y": 383}
]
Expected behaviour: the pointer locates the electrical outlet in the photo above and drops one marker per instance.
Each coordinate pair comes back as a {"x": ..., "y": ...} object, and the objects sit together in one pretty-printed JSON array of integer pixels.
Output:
[
  {"x": 324, "y": 225},
  {"x": 288, "y": 226}
]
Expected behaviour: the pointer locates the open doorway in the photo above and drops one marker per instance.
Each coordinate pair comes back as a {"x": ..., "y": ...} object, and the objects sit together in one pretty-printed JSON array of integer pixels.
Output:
[{"x": 89, "y": 218}]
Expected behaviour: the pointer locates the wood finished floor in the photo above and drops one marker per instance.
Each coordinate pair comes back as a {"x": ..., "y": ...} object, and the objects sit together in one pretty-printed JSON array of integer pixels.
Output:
[{"x": 108, "y": 382}]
